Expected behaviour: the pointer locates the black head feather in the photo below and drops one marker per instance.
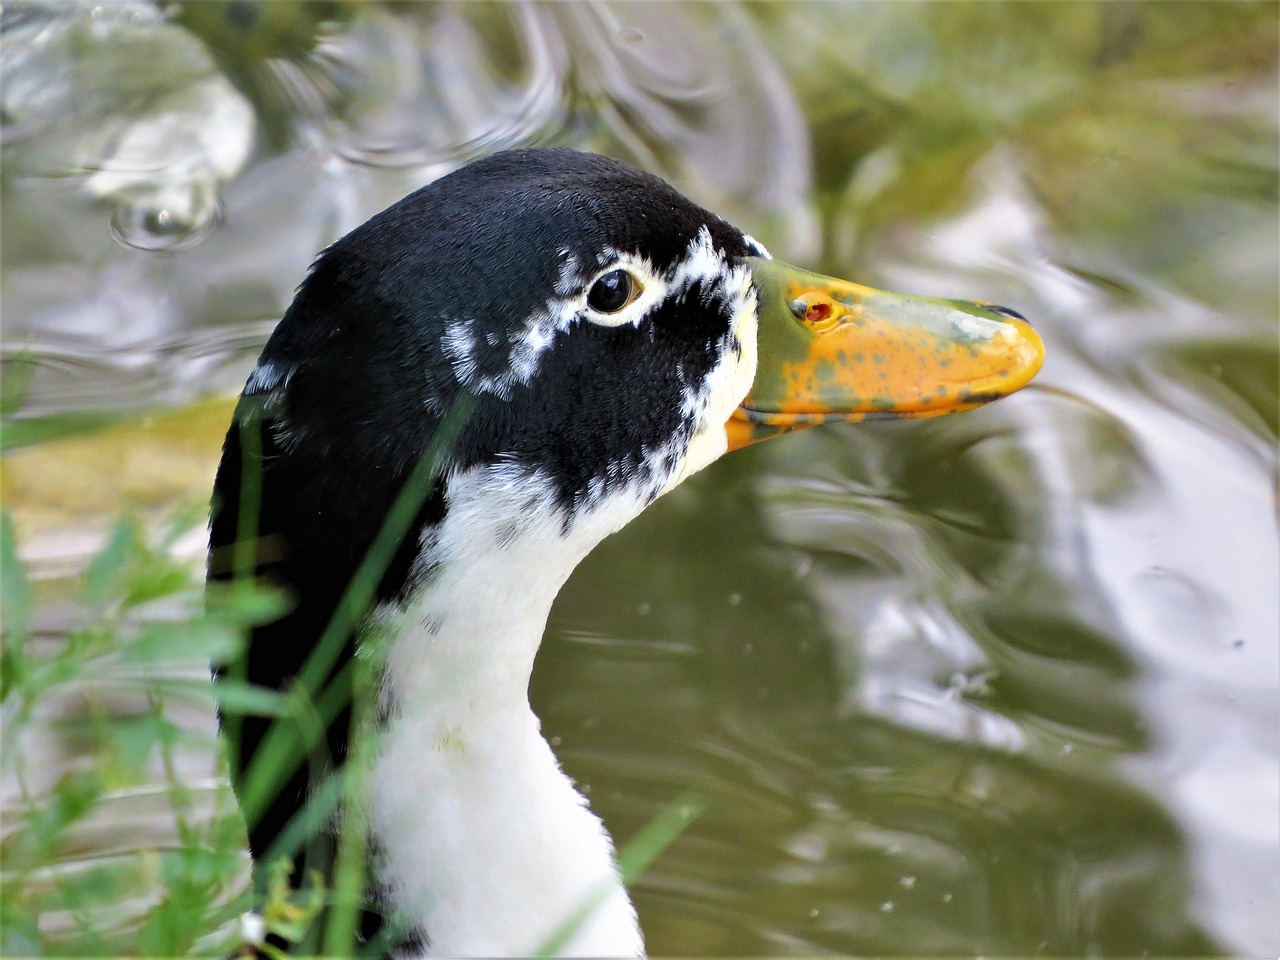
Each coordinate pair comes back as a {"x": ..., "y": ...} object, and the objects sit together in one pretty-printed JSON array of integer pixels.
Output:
[{"x": 482, "y": 250}]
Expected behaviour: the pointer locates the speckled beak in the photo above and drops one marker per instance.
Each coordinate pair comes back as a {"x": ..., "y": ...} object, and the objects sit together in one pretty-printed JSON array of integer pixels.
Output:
[{"x": 831, "y": 350}]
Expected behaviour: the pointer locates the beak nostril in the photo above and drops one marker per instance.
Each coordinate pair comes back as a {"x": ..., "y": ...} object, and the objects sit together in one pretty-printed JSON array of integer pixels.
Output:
[
  {"x": 1006, "y": 312},
  {"x": 817, "y": 312}
]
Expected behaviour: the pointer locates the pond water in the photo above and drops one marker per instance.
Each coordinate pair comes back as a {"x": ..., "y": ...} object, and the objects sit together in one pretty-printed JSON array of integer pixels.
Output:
[{"x": 1001, "y": 683}]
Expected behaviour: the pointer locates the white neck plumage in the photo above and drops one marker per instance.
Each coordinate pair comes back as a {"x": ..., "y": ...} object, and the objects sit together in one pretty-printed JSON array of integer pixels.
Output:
[
  {"x": 488, "y": 848},
  {"x": 486, "y": 844}
]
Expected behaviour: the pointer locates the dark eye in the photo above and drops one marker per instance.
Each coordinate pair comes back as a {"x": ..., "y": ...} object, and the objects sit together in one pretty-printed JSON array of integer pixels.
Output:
[{"x": 613, "y": 291}]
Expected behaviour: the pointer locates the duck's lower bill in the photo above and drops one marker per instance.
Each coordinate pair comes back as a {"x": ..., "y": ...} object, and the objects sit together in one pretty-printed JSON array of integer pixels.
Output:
[{"x": 831, "y": 350}]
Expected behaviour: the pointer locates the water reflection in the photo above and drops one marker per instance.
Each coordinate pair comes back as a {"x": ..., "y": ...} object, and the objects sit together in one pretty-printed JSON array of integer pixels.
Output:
[
  {"x": 1000, "y": 684},
  {"x": 840, "y": 805},
  {"x": 132, "y": 105}
]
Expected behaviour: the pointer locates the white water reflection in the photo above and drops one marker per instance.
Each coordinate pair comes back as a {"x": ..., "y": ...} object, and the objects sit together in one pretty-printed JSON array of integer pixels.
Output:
[
  {"x": 131, "y": 105},
  {"x": 435, "y": 83},
  {"x": 1193, "y": 574}
]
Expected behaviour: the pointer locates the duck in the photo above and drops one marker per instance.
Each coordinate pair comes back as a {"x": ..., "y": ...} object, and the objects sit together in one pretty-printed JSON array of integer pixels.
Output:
[{"x": 468, "y": 393}]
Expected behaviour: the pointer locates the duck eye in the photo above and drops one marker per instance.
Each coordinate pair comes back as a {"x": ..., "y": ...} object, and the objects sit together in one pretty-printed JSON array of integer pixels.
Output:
[{"x": 613, "y": 291}]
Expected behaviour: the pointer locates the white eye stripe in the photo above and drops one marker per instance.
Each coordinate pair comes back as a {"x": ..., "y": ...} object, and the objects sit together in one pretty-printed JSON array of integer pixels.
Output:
[
  {"x": 653, "y": 290},
  {"x": 483, "y": 362},
  {"x": 703, "y": 263}
]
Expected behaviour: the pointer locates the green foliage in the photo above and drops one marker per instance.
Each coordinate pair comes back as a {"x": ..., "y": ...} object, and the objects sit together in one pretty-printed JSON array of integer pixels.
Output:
[
  {"x": 108, "y": 688},
  {"x": 100, "y": 698}
]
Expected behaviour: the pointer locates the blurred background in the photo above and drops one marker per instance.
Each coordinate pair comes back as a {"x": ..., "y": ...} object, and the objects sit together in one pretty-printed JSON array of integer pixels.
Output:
[{"x": 1003, "y": 683}]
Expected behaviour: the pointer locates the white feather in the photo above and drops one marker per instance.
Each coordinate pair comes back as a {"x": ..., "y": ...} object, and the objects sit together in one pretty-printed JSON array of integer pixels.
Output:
[{"x": 488, "y": 845}]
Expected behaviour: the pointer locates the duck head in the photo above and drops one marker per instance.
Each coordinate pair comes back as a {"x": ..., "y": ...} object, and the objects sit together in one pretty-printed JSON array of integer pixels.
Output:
[
  {"x": 606, "y": 338},
  {"x": 612, "y": 334}
]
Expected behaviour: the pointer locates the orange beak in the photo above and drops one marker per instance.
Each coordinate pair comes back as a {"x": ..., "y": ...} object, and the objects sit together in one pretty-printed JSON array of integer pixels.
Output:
[{"x": 831, "y": 350}]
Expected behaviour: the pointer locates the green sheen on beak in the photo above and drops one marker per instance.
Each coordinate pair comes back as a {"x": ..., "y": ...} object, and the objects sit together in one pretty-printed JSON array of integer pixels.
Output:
[{"x": 831, "y": 350}]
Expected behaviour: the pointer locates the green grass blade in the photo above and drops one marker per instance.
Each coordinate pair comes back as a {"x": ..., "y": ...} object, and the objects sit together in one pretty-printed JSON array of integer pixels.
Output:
[{"x": 15, "y": 608}]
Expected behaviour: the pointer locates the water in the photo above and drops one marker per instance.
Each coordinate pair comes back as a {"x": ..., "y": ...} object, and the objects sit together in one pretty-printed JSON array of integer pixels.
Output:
[{"x": 1003, "y": 683}]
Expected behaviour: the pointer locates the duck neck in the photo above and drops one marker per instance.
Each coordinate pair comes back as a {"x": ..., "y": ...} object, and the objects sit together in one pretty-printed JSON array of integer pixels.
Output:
[{"x": 486, "y": 846}]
